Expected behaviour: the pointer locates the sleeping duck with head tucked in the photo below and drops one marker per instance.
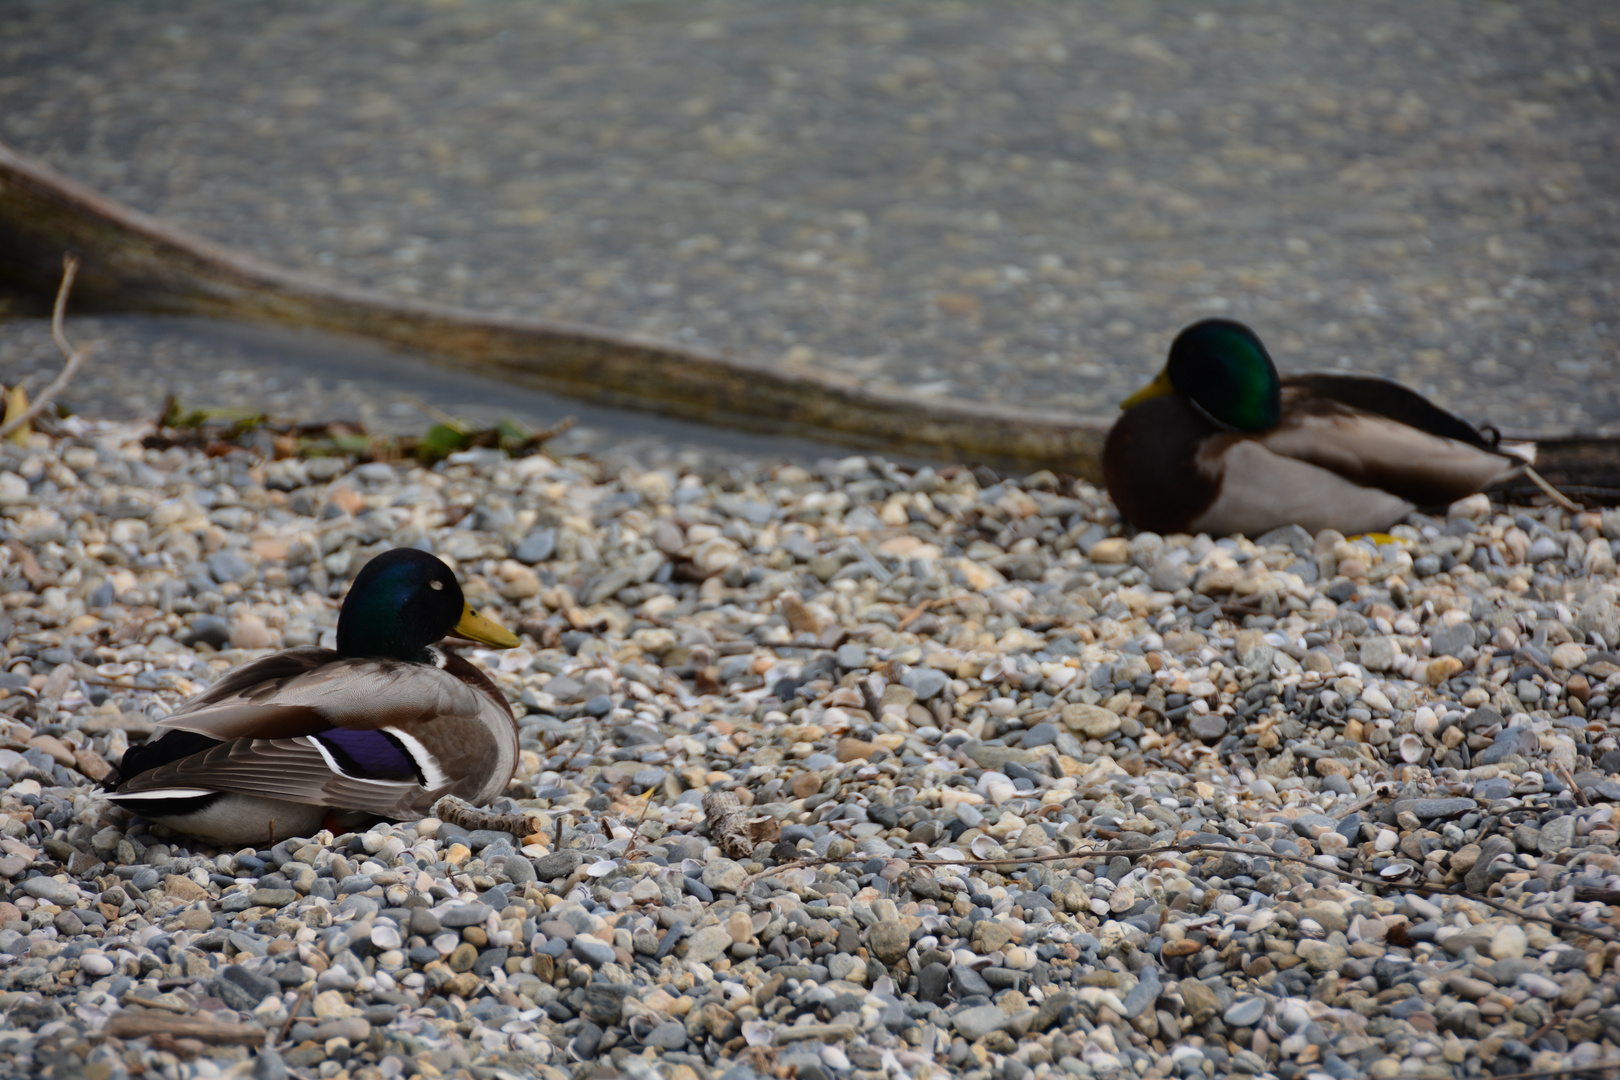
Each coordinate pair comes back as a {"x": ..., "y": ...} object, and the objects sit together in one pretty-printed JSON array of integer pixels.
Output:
[
  {"x": 310, "y": 738},
  {"x": 1220, "y": 443}
]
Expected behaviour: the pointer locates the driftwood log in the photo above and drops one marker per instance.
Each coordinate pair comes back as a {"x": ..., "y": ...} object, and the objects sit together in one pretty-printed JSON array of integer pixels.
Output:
[{"x": 134, "y": 262}]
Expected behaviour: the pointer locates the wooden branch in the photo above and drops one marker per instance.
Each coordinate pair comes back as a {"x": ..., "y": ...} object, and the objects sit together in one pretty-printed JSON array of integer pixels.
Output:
[
  {"x": 75, "y": 357},
  {"x": 139, "y": 1025}
]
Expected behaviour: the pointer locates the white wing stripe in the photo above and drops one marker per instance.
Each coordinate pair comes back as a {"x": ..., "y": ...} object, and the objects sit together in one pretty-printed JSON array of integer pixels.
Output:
[
  {"x": 432, "y": 776},
  {"x": 165, "y": 793}
]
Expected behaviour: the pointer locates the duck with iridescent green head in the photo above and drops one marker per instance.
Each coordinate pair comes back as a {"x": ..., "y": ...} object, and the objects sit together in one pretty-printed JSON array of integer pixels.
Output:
[
  {"x": 1220, "y": 443},
  {"x": 379, "y": 729}
]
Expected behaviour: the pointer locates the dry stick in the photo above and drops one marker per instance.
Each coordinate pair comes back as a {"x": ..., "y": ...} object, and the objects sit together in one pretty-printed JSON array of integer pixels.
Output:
[
  {"x": 75, "y": 357},
  {"x": 292, "y": 1014},
  {"x": 1170, "y": 849},
  {"x": 1552, "y": 493}
]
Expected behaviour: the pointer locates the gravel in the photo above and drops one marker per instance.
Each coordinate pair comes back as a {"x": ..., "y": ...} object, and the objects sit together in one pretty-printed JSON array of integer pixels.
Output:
[{"x": 1070, "y": 705}]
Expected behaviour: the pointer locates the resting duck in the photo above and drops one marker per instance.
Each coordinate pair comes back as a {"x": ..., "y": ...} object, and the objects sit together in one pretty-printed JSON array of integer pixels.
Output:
[
  {"x": 310, "y": 738},
  {"x": 1219, "y": 443}
]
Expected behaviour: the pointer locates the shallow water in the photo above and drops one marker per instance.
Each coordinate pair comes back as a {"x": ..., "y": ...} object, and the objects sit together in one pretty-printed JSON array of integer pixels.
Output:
[{"x": 1010, "y": 202}]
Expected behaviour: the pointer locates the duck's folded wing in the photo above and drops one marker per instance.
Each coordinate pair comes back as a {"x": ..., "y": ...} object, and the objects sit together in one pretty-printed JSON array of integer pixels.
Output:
[
  {"x": 1424, "y": 468},
  {"x": 1376, "y": 396},
  {"x": 306, "y": 691},
  {"x": 370, "y": 771}
]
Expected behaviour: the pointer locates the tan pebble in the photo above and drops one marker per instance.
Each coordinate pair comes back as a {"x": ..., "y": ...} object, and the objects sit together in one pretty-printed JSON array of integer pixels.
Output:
[
  {"x": 56, "y": 748},
  {"x": 1579, "y": 688},
  {"x": 1184, "y": 947},
  {"x": 806, "y": 784},
  {"x": 196, "y": 919},
  {"x": 347, "y": 499},
  {"x": 740, "y": 926},
  {"x": 517, "y": 582},
  {"x": 184, "y": 889},
  {"x": 1110, "y": 551},
  {"x": 329, "y": 1004},
  {"x": 1353, "y": 568},
  {"x": 1568, "y": 656},
  {"x": 855, "y": 749},
  {"x": 1440, "y": 669},
  {"x": 1092, "y": 721},
  {"x": 458, "y": 854},
  {"x": 248, "y": 631}
]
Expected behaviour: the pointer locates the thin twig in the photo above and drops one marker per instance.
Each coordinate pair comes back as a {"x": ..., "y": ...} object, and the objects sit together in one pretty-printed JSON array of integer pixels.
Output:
[
  {"x": 75, "y": 357},
  {"x": 1551, "y": 492},
  {"x": 292, "y": 1014},
  {"x": 1171, "y": 849}
]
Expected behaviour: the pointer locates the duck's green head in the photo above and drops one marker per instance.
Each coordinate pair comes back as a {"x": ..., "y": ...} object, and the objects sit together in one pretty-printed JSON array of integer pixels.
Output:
[
  {"x": 404, "y": 600},
  {"x": 1222, "y": 367}
]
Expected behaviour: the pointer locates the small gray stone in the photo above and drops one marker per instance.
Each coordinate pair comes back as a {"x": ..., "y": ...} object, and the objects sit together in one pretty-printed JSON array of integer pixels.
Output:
[
  {"x": 974, "y": 1024},
  {"x": 1478, "y": 879},
  {"x": 706, "y": 945},
  {"x": 670, "y": 1035},
  {"x": 593, "y": 951},
  {"x": 1379, "y": 653},
  {"x": 242, "y": 989},
  {"x": 1144, "y": 993},
  {"x": 228, "y": 565},
  {"x": 518, "y": 869},
  {"x": 557, "y": 864},
  {"x": 888, "y": 941},
  {"x": 1429, "y": 809},
  {"x": 464, "y": 915},
  {"x": 60, "y": 893},
  {"x": 1514, "y": 740},
  {"x": 1452, "y": 640},
  {"x": 210, "y": 630},
  {"x": 1210, "y": 727},
  {"x": 267, "y": 1065},
  {"x": 1557, "y": 835},
  {"x": 925, "y": 682},
  {"x": 851, "y": 655},
  {"x": 1544, "y": 548},
  {"x": 536, "y": 547},
  {"x": 1245, "y": 1012},
  {"x": 724, "y": 875},
  {"x": 604, "y": 1002}
]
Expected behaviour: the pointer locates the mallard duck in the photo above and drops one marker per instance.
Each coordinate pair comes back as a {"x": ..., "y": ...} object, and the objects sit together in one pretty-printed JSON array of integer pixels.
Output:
[
  {"x": 1219, "y": 443},
  {"x": 313, "y": 738}
]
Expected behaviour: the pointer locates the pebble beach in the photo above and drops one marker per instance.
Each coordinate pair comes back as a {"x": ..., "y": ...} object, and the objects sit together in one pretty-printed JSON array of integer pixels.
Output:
[{"x": 964, "y": 704}]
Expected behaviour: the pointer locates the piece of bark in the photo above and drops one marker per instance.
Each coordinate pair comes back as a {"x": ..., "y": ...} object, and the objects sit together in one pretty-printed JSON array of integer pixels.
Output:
[
  {"x": 734, "y": 831},
  {"x": 460, "y": 812},
  {"x": 800, "y": 619}
]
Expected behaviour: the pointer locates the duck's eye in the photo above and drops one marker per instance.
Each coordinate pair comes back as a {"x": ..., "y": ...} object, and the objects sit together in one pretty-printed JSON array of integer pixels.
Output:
[{"x": 436, "y": 585}]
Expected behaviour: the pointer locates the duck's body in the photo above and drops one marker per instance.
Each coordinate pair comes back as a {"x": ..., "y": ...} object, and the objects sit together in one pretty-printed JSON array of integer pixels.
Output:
[
  {"x": 1219, "y": 443},
  {"x": 381, "y": 728}
]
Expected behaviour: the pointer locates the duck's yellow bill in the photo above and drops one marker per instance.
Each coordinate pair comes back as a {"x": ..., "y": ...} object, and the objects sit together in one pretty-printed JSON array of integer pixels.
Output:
[
  {"x": 1157, "y": 388},
  {"x": 475, "y": 627}
]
